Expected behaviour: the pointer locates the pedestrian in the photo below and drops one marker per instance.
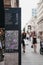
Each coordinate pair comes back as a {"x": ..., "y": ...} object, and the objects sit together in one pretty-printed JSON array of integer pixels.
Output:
[
  {"x": 41, "y": 43},
  {"x": 34, "y": 41},
  {"x": 1, "y": 48},
  {"x": 41, "y": 37},
  {"x": 23, "y": 42},
  {"x": 27, "y": 35}
]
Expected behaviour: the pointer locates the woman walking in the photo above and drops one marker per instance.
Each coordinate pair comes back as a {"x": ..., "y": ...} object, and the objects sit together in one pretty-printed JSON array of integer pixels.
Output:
[
  {"x": 34, "y": 42},
  {"x": 23, "y": 42}
]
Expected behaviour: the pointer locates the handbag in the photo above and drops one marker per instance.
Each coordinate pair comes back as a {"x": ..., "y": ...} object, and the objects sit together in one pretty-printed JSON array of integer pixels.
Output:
[{"x": 31, "y": 46}]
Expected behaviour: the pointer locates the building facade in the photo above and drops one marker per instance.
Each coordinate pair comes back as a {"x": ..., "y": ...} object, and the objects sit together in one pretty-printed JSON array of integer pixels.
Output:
[
  {"x": 11, "y": 3},
  {"x": 34, "y": 19},
  {"x": 34, "y": 12},
  {"x": 40, "y": 16},
  {"x": 31, "y": 25}
]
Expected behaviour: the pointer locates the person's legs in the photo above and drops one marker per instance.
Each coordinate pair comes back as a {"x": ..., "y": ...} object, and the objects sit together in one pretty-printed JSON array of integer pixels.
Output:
[
  {"x": 24, "y": 49},
  {"x": 1, "y": 55},
  {"x": 35, "y": 47},
  {"x": 23, "y": 46}
]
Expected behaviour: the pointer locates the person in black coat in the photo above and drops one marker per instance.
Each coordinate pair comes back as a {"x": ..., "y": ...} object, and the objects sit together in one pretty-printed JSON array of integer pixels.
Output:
[
  {"x": 1, "y": 44},
  {"x": 23, "y": 42},
  {"x": 34, "y": 41}
]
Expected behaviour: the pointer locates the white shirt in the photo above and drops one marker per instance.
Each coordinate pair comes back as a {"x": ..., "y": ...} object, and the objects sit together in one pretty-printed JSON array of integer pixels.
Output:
[{"x": 27, "y": 35}]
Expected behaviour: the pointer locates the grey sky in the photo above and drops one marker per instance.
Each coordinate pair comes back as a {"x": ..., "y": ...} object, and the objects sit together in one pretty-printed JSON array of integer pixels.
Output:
[{"x": 26, "y": 10}]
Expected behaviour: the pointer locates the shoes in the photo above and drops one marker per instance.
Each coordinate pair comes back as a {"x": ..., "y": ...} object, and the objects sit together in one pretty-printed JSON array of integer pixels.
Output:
[
  {"x": 1, "y": 58},
  {"x": 35, "y": 51},
  {"x": 23, "y": 51}
]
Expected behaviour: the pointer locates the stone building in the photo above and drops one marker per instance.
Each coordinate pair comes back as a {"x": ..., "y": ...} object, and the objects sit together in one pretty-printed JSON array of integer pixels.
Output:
[
  {"x": 11, "y": 3},
  {"x": 40, "y": 16}
]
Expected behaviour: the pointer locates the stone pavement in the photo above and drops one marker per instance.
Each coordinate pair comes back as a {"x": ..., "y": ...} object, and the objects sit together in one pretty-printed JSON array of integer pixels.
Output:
[
  {"x": 2, "y": 63},
  {"x": 10, "y": 59},
  {"x": 31, "y": 58},
  {"x": 28, "y": 58}
]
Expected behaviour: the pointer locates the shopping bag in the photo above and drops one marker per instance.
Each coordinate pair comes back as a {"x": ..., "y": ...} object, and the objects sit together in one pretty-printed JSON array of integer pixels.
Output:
[{"x": 31, "y": 46}]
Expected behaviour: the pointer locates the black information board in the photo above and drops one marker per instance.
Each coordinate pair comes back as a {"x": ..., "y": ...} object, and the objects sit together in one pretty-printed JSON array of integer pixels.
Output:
[{"x": 12, "y": 29}]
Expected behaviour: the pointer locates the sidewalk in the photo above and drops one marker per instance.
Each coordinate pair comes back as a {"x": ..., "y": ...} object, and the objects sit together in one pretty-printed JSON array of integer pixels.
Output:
[
  {"x": 2, "y": 63},
  {"x": 28, "y": 58},
  {"x": 10, "y": 59},
  {"x": 31, "y": 58}
]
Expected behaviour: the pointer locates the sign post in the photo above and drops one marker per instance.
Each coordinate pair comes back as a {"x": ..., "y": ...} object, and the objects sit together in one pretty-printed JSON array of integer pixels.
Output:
[{"x": 13, "y": 31}]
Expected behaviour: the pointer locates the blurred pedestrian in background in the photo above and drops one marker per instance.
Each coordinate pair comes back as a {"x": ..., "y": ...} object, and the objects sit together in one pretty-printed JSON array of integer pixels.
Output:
[
  {"x": 27, "y": 35},
  {"x": 1, "y": 44},
  {"x": 23, "y": 40},
  {"x": 41, "y": 37},
  {"x": 41, "y": 43},
  {"x": 34, "y": 41}
]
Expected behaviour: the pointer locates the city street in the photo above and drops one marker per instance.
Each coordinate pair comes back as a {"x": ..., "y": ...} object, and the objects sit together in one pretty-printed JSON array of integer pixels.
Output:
[
  {"x": 27, "y": 58},
  {"x": 31, "y": 58},
  {"x": 2, "y": 63},
  {"x": 21, "y": 20},
  {"x": 10, "y": 59}
]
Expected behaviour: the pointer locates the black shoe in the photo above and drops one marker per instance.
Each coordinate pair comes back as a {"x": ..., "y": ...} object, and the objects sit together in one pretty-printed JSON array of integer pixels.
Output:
[
  {"x": 23, "y": 51},
  {"x": 2, "y": 56}
]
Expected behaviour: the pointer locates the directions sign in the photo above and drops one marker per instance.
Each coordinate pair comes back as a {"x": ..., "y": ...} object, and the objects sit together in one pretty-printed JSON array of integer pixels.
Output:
[{"x": 12, "y": 29}]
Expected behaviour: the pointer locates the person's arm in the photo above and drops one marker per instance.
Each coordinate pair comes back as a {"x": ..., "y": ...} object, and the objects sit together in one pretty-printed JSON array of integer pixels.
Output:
[{"x": 25, "y": 35}]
